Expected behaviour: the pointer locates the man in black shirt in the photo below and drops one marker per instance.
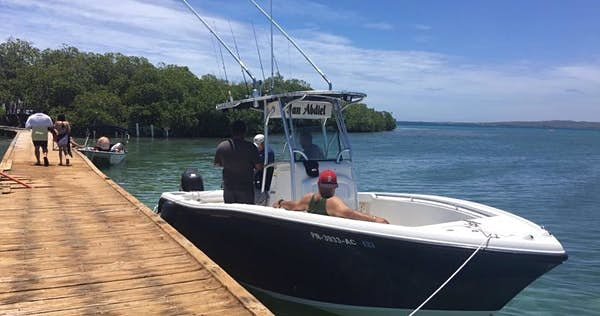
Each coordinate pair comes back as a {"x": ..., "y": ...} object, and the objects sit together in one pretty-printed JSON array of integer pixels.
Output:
[{"x": 239, "y": 158}]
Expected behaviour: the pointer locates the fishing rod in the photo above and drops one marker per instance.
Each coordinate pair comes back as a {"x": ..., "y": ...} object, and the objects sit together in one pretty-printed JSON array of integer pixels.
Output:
[
  {"x": 270, "y": 18},
  {"x": 258, "y": 51},
  {"x": 237, "y": 51},
  {"x": 216, "y": 51},
  {"x": 255, "y": 83},
  {"x": 272, "y": 54},
  {"x": 222, "y": 59}
]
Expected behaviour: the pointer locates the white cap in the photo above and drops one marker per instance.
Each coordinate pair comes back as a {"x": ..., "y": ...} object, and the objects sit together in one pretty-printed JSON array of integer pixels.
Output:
[{"x": 259, "y": 139}]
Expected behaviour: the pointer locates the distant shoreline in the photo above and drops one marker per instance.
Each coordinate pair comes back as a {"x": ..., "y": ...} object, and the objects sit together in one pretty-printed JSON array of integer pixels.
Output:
[{"x": 533, "y": 124}]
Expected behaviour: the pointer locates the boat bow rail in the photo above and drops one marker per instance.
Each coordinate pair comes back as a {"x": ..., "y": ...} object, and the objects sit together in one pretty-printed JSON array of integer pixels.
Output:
[{"x": 508, "y": 234}]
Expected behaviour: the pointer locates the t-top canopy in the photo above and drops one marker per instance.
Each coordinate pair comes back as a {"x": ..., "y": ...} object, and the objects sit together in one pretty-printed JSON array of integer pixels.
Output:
[{"x": 311, "y": 95}]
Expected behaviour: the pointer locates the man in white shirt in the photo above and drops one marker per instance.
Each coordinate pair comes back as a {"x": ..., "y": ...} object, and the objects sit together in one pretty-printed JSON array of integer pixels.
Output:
[{"x": 40, "y": 124}]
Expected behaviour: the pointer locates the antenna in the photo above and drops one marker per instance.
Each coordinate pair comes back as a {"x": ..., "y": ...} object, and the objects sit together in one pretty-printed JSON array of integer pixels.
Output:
[
  {"x": 255, "y": 84},
  {"x": 289, "y": 39}
]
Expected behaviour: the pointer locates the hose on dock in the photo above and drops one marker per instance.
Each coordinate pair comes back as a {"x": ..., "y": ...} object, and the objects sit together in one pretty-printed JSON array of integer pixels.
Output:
[{"x": 15, "y": 180}]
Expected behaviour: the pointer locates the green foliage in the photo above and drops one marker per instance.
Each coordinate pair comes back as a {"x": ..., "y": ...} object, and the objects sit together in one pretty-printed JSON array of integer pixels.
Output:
[
  {"x": 360, "y": 118},
  {"x": 15, "y": 57},
  {"x": 121, "y": 90}
]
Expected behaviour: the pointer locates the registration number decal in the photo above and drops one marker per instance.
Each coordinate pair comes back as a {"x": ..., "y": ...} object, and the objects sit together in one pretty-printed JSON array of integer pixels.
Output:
[{"x": 341, "y": 240}]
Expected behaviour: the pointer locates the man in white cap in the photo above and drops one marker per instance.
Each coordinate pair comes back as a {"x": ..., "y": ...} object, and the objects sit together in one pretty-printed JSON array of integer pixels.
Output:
[
  {"x": 40, "y": 124},
  {"x": 259, "y": 142}
]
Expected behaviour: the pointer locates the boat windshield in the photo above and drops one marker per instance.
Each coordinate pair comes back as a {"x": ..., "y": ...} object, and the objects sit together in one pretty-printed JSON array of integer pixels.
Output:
[
  {"x": 313, "y": 140},
  {"x": 311, "y": 123}
]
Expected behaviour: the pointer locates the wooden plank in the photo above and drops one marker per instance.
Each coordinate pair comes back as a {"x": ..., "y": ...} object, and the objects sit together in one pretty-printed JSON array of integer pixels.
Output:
[
  {"x": 187, "y": 303},
  {"x": 112, "y": 286},
  {"x": 6, "y": 165},
  {"x": 208, "y": 294},
  {"x": 6, "y": 189},
  {"x": 108, "y": 253}
]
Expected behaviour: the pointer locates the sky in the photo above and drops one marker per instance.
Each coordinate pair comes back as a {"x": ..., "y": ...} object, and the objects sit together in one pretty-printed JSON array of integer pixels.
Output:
[{"x": 466, "y": 61}]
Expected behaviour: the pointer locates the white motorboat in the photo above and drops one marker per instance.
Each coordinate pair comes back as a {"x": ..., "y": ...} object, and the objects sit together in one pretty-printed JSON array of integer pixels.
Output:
[
  {"x": 437, "y": 255},
  {"x": 345, "y": 266}
]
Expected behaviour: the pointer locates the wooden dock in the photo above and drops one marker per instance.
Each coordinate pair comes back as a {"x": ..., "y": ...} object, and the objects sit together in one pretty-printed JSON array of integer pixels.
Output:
[{"x": 77, "y": 243}]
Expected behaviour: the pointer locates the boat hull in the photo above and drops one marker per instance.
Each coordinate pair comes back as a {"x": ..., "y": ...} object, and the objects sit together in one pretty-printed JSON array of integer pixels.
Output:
[{"x": 353, "y": 270}]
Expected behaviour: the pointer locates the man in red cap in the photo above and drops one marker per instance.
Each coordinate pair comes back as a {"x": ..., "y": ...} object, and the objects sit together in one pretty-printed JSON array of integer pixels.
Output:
[{"x": 325, "y": 203}]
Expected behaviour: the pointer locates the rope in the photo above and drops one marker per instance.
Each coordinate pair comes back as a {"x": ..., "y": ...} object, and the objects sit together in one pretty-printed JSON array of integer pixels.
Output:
[{"x": 452, "y": 276}]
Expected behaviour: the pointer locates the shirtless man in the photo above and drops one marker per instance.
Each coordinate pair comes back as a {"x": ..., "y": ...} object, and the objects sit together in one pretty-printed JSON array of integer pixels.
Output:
[{"x": 325, "y": 203}]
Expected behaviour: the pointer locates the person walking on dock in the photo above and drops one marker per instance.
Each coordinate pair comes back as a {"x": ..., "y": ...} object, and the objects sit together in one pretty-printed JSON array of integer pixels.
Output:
[
  {"x": 40, "y": 124},
  {"x": 63, "y": 137},
  {"x": 239, "y": 158}
]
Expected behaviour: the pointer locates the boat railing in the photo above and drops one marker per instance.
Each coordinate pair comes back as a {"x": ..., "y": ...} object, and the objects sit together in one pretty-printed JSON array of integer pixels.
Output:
[{"x": 457, "y": 206}]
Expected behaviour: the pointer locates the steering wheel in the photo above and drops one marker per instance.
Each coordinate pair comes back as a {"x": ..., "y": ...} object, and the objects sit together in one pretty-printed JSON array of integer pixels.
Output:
[{"x": 301, "y": 153}]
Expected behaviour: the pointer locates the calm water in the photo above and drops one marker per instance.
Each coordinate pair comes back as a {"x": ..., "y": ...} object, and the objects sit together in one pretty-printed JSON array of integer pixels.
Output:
[{"x": 551, "y": 177}]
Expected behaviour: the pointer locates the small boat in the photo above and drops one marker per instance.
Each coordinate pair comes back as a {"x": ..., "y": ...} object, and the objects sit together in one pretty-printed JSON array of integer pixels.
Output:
[
  {"x": 103, "y": 158},
  {"x": 351, "y": 267},
  {"x": 105, "y": 153}
]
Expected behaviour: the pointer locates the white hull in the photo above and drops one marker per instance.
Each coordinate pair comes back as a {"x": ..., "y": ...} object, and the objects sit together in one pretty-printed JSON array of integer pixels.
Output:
[{"x": 103, "y": 157}]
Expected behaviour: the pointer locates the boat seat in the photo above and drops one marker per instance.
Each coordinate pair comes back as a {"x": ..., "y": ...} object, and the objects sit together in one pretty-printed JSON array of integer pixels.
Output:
[{"x": 281, "y": 184}]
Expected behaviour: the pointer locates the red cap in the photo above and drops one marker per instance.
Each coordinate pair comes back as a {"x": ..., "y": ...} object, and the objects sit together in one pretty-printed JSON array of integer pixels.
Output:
[{"x": 328, "y": 179}]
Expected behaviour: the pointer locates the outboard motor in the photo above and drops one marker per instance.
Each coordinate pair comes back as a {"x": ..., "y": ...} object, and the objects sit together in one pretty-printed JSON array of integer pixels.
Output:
[{"x": 191, "y": 180}]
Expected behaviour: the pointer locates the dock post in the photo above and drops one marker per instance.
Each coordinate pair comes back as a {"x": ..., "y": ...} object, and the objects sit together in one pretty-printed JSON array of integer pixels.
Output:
[{"x": 137, "y": 130}]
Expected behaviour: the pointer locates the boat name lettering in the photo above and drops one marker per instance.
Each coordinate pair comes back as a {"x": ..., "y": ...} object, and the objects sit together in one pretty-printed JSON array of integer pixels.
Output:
[
  {"x": 303, "y": 109},
  {"x": 313, "y": 109}
]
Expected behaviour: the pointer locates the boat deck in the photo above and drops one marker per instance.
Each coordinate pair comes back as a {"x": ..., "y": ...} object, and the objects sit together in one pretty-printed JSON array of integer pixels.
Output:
[{"x": 77, "y": 243}]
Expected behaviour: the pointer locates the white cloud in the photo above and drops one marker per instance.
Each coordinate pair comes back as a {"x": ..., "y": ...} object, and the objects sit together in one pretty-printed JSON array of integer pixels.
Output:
[
  {"x": 414, "y": 85},
  {"x": 580, "y": 72},
  {"x": 382, "y": 26}
]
